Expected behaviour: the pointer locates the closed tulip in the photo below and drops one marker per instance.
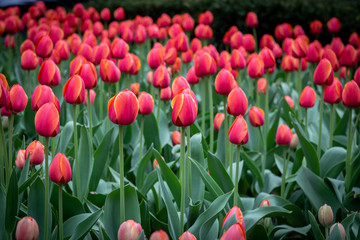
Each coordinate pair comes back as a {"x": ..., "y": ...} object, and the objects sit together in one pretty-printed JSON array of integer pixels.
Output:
[
  {"x": 36, "y": 151},
  {"x": 299, "y": 48},
  {"x": 337, "y": 46},
  {"x": 204, "y": 65},
  {"x": 315, "y": 27},
  {"x": 27, "y": 228},
  {"x": 49, "y": 73},
  {"x": 161, "y": 78},
  {"x": 187, "y": 56},
  {"x": 237, "y": 60},
  {"x": 354, "y": 39},
  {"x": 135, "y": 88},
  {"x": 88, "y": 73},
  {"x": 29, "y": 60},
  {"x": 333, "y": 25},
  {"x": 251, "y": 19},
  {"x": 195, "y": 45},
  {"x": 283, "y": 135},
  {"x": 44, "y": 46},
  {"x": 16, "y": 99},
  {"x": 63, "y": 49},
  {"x": 224, "y": 82},
  {"x": 4, "y": 90},
  {"x": 307, "y": 97},
  {"x": 348, "y": 56},
  {"x": 325, "y": 215},
  {"x": 41, "y": 95},
  {"x": 165, "y": 94},
  {"x": 129, "y": 230},
  {"x": 238, "y": 215},
  {"x": 181, "y": 42},
  {"x": 146, "y": 103},
  {"x": 357, "y": 76},
  {"x": 105, "y": 14},
  {"x": 331, "y": 56},
  {"x": 236, "y": 231},
  {"x": 265, "y": 202},
  {"x": 179, "y": 83},
  {"x": 60, "y": 169},
  {"x": 324, "y": 74},
  {"x": 351, "y": 95},
  {"x": 123, "y": 108},
  {"x": 219, "y": 118},
  {"x": 175, "y": 138},
  {"x": 289, "y": 101},
  {"x": 160, "y": 234},
  {"x": 238, "y": 132},
  {"x": 187, "y": 236},
  {"x": 256, "y": 68},
  {"x": 27, "y": 45},
  {"x": 237, "y": 102},
  {"x": 9, "y": 41},
  {"x": 268, "y": 57},
  {"x": 170, "y": 56},
  {"x": 184, "y": 109},
  {"x": 92, "y": 97},
  {"x": 119, "y": 48},
  {"x": 191, "y": 76},
  {"x": 261, "y": 85},
  {"x": 76, "y": 64},
  {"x": 74, "y": 90},
  {"x": 47, "y": 120},
  {"x": 313, "y": 53},
  {"x": 101, "y": 52},
  {"x": 256, "y": 116},
  {"x": 203, "y": 32},
  {"x": 109, "y": 72},
  {"x": 341, "y": 229},
  {"x": 20, "y": 159}
]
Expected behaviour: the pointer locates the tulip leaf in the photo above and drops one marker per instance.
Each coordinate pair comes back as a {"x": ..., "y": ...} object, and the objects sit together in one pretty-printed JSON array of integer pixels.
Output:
[
  {"x": 72, "y": 223},
  {"x": 332, "y": 162},
  {"x": 164, "y": 132},
  {"x": 29, "y": 116},
  {"x": 257, "y": 232},
  {"x": 316, "y": 190},
  {"x": 85, "y": 226},
  {"x": 2, "y": 214},
  {"x": 209, "y": 230},
  {"x": 111, "y": 217},
  {"x": 173, "y": 218},
  {"x": 197, "y": 153},
  {"x": 65, "y": 137},
  {"x": 307, "y": 148},
  {"x": 24, "y": 172},
  {"x": 210, "y": 214},
  {"x": 141, "y": 167},
  {"x": 253, "y": 168},
  {"x": 315, "y": 227},
  {"x": 151, "y": 132},
  {"x": 219, "y": 174},
  {"x": 11, "y": 209},
  {"x": 220, "y": 146},
  {"x": 29, "y": 180},
  {"x": 280, "y": 231},
  {"x": 149, "y": 182},
  {"x": 270, "y": 136}
]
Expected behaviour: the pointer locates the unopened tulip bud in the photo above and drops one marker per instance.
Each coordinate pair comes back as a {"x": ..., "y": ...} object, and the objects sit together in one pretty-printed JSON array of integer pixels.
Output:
[
  {"x": 268, "y": 57},
  {"x": 16, "y": 99},
  {"x": 160, "y": 234},
  {"x": 357, "y": 76},
  {"x": 237, "y": 60},
  {"x": 63, "y": 49},
  {"x": 337, "y": 46},
  {"x": 179, "y": 83},
  {"x": 165, "y": 94},
  {"x": 315, "y": 27},
  {"x": 307, "y": 97},
  {"x": 325, "y": 215},
  {"x": 109, "y": 72},
  {"x": 294, "y": 141},
  {"x": 333, "y": 25},
  {"x": 238, "y": 215},
  {"x": 348, "y": 56},
  {"x": 313, "y": 53},
  {"x": 161, "y": 78},
  {"x": 36, "y": 151},
  {"x": 283, "y": 135},
  {"x": 238, "y": 132},
  {"x": 332, "y": 93},
  {"x": 237, "y": 102},
  {"x": 224, "y": 82},
  {"x": 49, "y": 73},
  {"x": 74, "y": 90},
  {"x": 204, "y": 65},
  {"x": 351, "y": 95},
  {"x": 146, "y": 103},
  {"x": 60, "y": 169},
  {"x": 187, "y": 236},
  {"x": 119, "y": 48},
  {"x": 341, "y": 229},
  {"x": 236, "y": 231},
  {"x": 185, "y": 109},
  {"x": 192, "y": 78},
  {"x": 236, "y": 40},
  {"x": 29, "y": 60},
  {"x": 88, "y": 73},
  {"x": 47, "y": 122},
  {"x": 299, "y": 48},
  {"x": 44, "y": 46},
  {"x": 331, "y": 56},
  {"x": 265, "y": 203},
  {"x": 76, "y": 64},
  {"x": 261, "y": 85},
  {"x": 129, "y": 230},
  {"x": 101, "y": 52},
  {"x": 27, "y": 228},
  {"x": 256, "y": 116},
  {"x": 195, "y": 45},
  {"x": 175, "y": 138},
  {"x": 20, "y": 159},
  {"x": 219, "y": 118},
  {"x": 324, "y": 74},
  {"x": 256, "y": 68},
  {"x": 27, "y": 45},
  {"x": 92, "y": 97},
  {"x": 251, "y": 19},
  {"x": 123, "y": 108}
]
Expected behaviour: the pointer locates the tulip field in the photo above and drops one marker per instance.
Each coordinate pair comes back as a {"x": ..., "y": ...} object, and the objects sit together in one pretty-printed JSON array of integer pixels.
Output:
[{"x": 147, "y": 128}]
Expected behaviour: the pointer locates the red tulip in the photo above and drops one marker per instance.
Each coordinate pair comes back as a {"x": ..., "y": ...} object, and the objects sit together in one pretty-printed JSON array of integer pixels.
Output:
[
  {"x": 238, "y": 132},
  {"x": 206, "y": 18},
  {"x": 256, "y": 116},
  {"x": 29, "y": 60},
  {"x": 203, "y": 32},
  {"x": 236, "y": 231},
  {"x": 56, "y": 34},
  {"x": 333, "y": 25},
  {"x": 267, "y": 41},
  {"x": 237, "y": 60},
  {"x": 276, "y": 50},
  {"x": 101, "y": 52},
  {"x": 105, "y": 14},
  {"x": 351, "y": 95},
  {"x": 337, "y": 46},
  {"x": 16, "y": 99},
  {"x": 119, "y": 48},
  {"x": 179, "y": 83},
  {"x": 47, "y": 120},
  {"x": 88, "y": 73},
  {"x": 332, "y": 93},
  {"x": 268, "y": 58},
  {"x": 299, "y": 48},
  {"x": 324, "y": 74},
  {"x": 44, "y": 46},
  {"x": 224, "y": 59},
  {"x": 330, "y": 55},
  {"x": 140, "y": 34},
  {"x": 161, "y": 78},
  {"x": 170, "y": 56},
  {"x": 146, "y": 103},
  {"x": 184, "y": 109},
  {"x": 160, "y": 234},
  {"x": 92, "y": 96},
  {"x": 204, "y": 65},
  {"x": 123, "y": 108},
  {"x": 256, "y": 68},
  {"x": 36, "y": 151},
  {"x": 315, "y": 27},
  {"x": 191, "y": 76},
  {"x": 313, "y": 53},
  {"x": 27, "y": 45},
  {"x": 251, "y": 19},
  {"x": 357, "y": 76},
  {"x": 74, "y": 90},
  {"x": 249, "y": 42},
  {"x": 219, "y": 118},
  {"x": 60, "y": 169},
  {"x": 236, "y": 40},
  {"x": 298, "y": 31},
  {"x": 354, "y": 39},
  {"x": 181, "y": 42},
  {"x": 237, "y": 102},
  {"x": 27, "y": 228},
  {"x": 41, "y": 95},
  {"x": 261, "y": 85},
  {"x": 20, "y": 159},
  {"x": 307, "y": 97},
  {"x": 135, "y": 88},
  {"x": 283, "y": 135},
  {"x": 109, "y": 72},
  {"x": 348, "y": 56},
  {"x": 129, "y": 230},
  {"x": 289, "y": 101},
  {"x": 165, "y": 94},
  {"x": 238, "y": 215},
  {"x": 287, "y": 63},
  {"x": 187, "y": 236},
  {"x": 49, "y": 73},
  {"x": 4, "y": 90},
  {"x": 224, "y": 82},
  {"x": 187, "y": 56},
  {"x": 175, "y": 138},
  {"x": 195, "y": 45},
  {"x": 86, "y": 51}
]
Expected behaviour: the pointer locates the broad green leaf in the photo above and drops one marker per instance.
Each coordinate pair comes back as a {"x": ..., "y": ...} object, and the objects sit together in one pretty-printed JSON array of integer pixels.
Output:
[
  {"x": 11, "y": 210},
  {"x": 219, "y": 174},
  {"x": 253, "y": 168},
  {"x": 348, "y": 221},
  {"x": 220, "y": 147},
  {"x": 315, "y": 227},
  {"x": 151, "y": 132},
  {"x": 149, "y": 182},
  {"x": 24, "y": 172},
  {"x": 164, "y": 130},
  {"x": 335, "y": 234},
  {"x": 141, "y": 167},
  {"x": 257, "y": 232},
  {"x": 85, "y": 226},
  {"x": 72, "y": 223},
  {"x": 270, "y": 137},
  {"x": 333, "y": 162},
  {"x": 65, "y": 137},
  {"x": 29, "y": 116},
  {"x": 2, "y": 215},
  {"x": 209, "y": 231},
  {"x": 283, "y": 230},
  {"x": 197, "y": 186},
  {"x": 145, "y": 217},
  {"x": 29, "y": 180}
]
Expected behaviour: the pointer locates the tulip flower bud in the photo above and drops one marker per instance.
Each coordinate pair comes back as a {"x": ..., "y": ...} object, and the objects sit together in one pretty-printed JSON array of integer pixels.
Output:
[
  {"x": 119, "y": 48},
  {"x": 265, "y": 203},
  {"x": 237, "y": 102},
  {"x": 315, "y": 27},
  {"x": 324, "y": 74},
  {"x": 27, "y": 45},
  {"x": 224, "y": 82},
  {"x": 337, "y": 46},
  {"x": 236, "y": 231},
  {"x": 27, "y": 228},
  {"x": 181, "y": 42},
  {"x": 60, "y": 169},
  {"x": 351, "y": 95},
  {"x": 161, "y": 77},
  {"x": 236, "y": 40},
  {"x": 63, "y": 49},
  {"x": 238, "y": 132},
  {"x": 101, "y": 52},
  {"x": 187, "y": 56},
  {"x": 170, "y": 56},
  {"x": 146, "y": 103},
  {"x": 195, "y": 45},
  {"x": 119, "y": 14},
  {"x": 74, "y": 90},
  {"x": 219, "y": 118},
  {"x": 76, "y": 64},
  {"x": 238, "y": 215},
  {"x": 299, "y": 48},
  {"x": 283, "y": 135},
  {"x": 105, "y": 14},
  {"x": 341, "y": 229},
  {"x": 256, "y": 68},
  {"x": 237, "y": 60},
  {"x": 44, "y": 46},
  {"x": 268, "y": 57},
  {"x": 129, "y": 230},
  {"x": 41, "y": 95},
  {"x": 354, "y": 39},
  {"x": 109, "y": 72},
  {"x": 287, "y": 64},
  {"x": 256, "y": 116},
  {"x": 333, "y": 25},
  {"x": 47, "y": 122},
  {"x": 16, "y": 99},
  {"x": 307, "y": 97},
  {"x": 267, "y": 41},
  {"x": 36, "y": 151},
  {"x": 4, "y": 90},
  {"x": 332, "y": 93},
  {"x": 92, "y": 97},
  {"x": 224, "y": 59},
  {"x": 160, "y": 234},
  {"x": 192, "y": 78},
  {"x": 251, "y": 19},
  {"x": 20, "y": 159},
  {"x": 313, "y": 53},
  {"x": 325, "y": 215},
  {"x": 123, "y": 108},
  {"x": 204, "y": 65},
  {"x": 88, "y": 73},
  {"x": 178, "y": 84},
  {"x": 348, "y": 56},
  {"x": 261, "y": 85},
  {"x": 49, "y": 73},
  {"x": 165, "y": 94},
  {"x": 29, "y": 60},
  {"x": 184, "y": 109},
  {"x": 330, "y": 55},
  {"x": 294, "y": 141},
  {"x": 175, "y": 138},
  {"x": 203, "y": 32},
  {"x": 357, "y": 76},
  {"x": 187, "y": 236}
]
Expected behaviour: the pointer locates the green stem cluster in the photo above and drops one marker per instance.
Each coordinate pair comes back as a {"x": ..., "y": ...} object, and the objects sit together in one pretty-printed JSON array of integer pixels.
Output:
[
  {"x": 182, "y": 178},
  {"x": 142, "y": 118},
  {"x": 203, "y": 96},
  {"x": 11, "y": 128},
  {"x": 348, "y": 154},
  {"x": 3, "y": 154}
]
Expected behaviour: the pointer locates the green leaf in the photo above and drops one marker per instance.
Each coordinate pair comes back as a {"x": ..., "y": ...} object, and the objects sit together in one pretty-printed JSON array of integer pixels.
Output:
[
  {"x": 220, "y": 146},
  {"x": 24, "y": 172},
  {"x": 253, "y": 168},
  {"x": 100, "y": 160},
  {"x": 335, "y": 234},
  {"x": 209, "y": 230},
  {"x": 197, "y": 153},
  {"x": 315, "y": 227},
  {"x": 73, "y": 222},
  {"x": 149, "y": 182},
  {"x": 332, "y": 162},
  {"x": 283, "y": 230},
  {"x": 257, "y": 232},
  {"x": 173, "y": 218},
  {"x": 164, "y": 130},
  {"x": 11, "y": 210},
  {"x": 316, "y": 190},
  {"x": 219, "y": 174},
  {"x": 29, "y": 116},
  {"x": 251, "y": 217},
  {"x": 112, "y": 210},
  {"x": 307, "y": 148},
  {"x": 151, "y": 132},
  {"x": 141, "y": 167},
  {"x": 29, "y": 181},
  {"x": 85, "y": 226},
  {"x": 270, "y": 137},
  {"x": 2, "y": 215},
  {"x": 210, "y": 214},
  {"x": 65, "y": 137},
  {"x": 348, "y": 221}
]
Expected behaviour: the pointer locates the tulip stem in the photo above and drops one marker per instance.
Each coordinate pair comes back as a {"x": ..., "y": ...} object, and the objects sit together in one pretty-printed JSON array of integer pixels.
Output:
[
  {"x": 188, "y": 160},
  {"x": 90, "y": 120},
  {"x": 142, "y": 118},
  {"x": 122, "y": 188},
  {"x": 306, "y": 123},
  {"x": 158, "y": 106},
  {"x": 226, "y": 139},
  {"x": 267, "y": 103},
  {"x": 203, "y": 92},
  {"x": 101, "y": 100},
  {"x": 283, "y": 177},
  {"x": 263, "y": 164},
  {"x": 348, "y": 153},
  {"x": 77, "y": 165},
  {"x": 299, "y": 83},
  {"x": 237, "y": 174},
  {"x": 238, "y": 79},
  {"x": 288, "y": 78},
  {"x": 182, "y": 177},
  {"x": 320, "y": 123},
  {"x": 60, "y": 213},
  {"x": 46, "y": 187},
  {"x": 332, "y": 118},
  {"x": 211, "y": 115},
  {"x": 255, "y": 38},
  {"x": 53, "y": 147},
  {"x": 28, "y": 81},
  {"x": 327, "y": 232},
  {"x": 11, "y": 127},
  {"x": 251, "y": 88},
  {"x": 3, "y": 154}
]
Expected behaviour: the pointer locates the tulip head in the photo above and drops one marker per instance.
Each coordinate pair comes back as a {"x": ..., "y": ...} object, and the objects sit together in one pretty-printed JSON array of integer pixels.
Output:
[
  {"x": 324, "y": 74},
  {"x": 49, "y": 73},
  {"x": 256, "y": 68},
  {"x": 179, "y": 83},
  {"x": 16, "y": 99},
  {"x": 256, "y": 116},
  {"x": 307, "y": 97},
  {"x": 161, "y": 78},
  {"x": 268, "y": 57},
  {"x": 119, "y": 48},
  {"x": 20, "y": 159},
  {"x": 146, "y": 103},
  {"x": 47, "y": 122},
  {"x": 123, "y": 108},
  {"x": 238, "y": 215},
  {"x": 325, "y": 215},
  {"x": 315, "y": 27},
  {"x": 204, "y": 65},
  {"x": 129, "y": 230},
  {"x": 251, "y": 19},
  {"x": 238, "y": 132},
  {"x": 41, "y": 95},
  {"x": 160, "y": 234},
  {"x": 27, "y": 228},
  {"x": 265, "y": 203},
  {"x": 341, "y": 229},
  {"x": 184, "y": 109},
  {"x": 29, "y": 60},
  {"x": 155, "y": 57},
  {"x": 60, "y": 169},
  {"x": 89, "y": 75},
  {"x": 36, "y": 151},
  {"x": 261, "y": 85},
  {"x": 351, "y": 95},
  {"x": 219, "y": 118},
  {"x": 187, "y": 236},
  {"x": 333, "y": 25},
  {"x": 193, "y": 79},
  {"x": 92, "y": 97},
  {"x": 237, "y": 60},
  {"x": 109, "y": 72},
  {"x": 175, "y": 138},
  {"x": 237, "y": 102},
  {"x": 74, "y": 90},
  {"x": 294, "y": 141},
  {"x": 165, "y": 94},
  {"x": 283, "y": 135},
  {"x": 348, "y": 56},
  {"x": 236, "y": 231},
  {"x": 44, "y": 46},
  {"x": 224, "y": 82},
  {"x": 332, "y": 93}
]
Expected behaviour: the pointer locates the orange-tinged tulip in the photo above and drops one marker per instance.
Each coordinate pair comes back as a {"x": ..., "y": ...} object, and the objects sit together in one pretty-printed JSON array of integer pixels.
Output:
[
  {"x": 324, "y": 74},
  {"x": 101, "y": 52},
  {"x": 351, "y": 95},
  {"x": 140, "y": 34},
  {"x": 119, "y": 48},
  {"x": 109, "y": 72},
  {"x": 74, "y": 90},
  {"x": 60, "y": 169},
  {"x": 307, "y": 97},
  {"x": 27, "y": 228},
  {"x": 76, "y": 64},
  {"x": 261, "y": 85},
  {"x": 283, "y": 135},
  {"x": 224, "y": 59},
  {"x": 170, "y": 56},
  {"x": 86, "y": 51},
  {"x": 224, "y": 82},
  {"x": 27, "y": 44},
  {"x": 341, "y": 229},
  {"x": 191, "y": 76},
  {"x": 160, "y": 234},
  {"x": 29, "y": 60},
  {"x": 92, "y": 97},
  {"x": 238, "y": 215},
  {"x": 105, "y": 14},
  {"x": 16, "y": 99},
  {"x": 298, "y": 31},
  {"x": 184, "y": 109},
  {"x": 204, "y": 65},
  {"x": 267, "y": 57},
  {"x": 47, "y": 120},
  {"x": 256, "y": 68},
  {"x": 337, "y": 46},
  {"x": 56, "y": 34},
  {"x": 287, "y": 63},
  {"x": 237, "y": 102},
  {"x": 181, "y": 42},
  {"x": 195, "y": 45},
  {"x": 129, "y": 230},
  {"x": 36, "y": 151},
  {"x": 146, "y": 103},
  {"x": 44, "y": 46},
  {"x": 249, "y": 42},
  {"x": 348, "y": 56},
  {"x": 315, "y": 27},
  {"x": 179, "y": 83},
  {"x": 88, "y": 73},
  {"x": 20, "y": 159},
  {"x": 330, "y": 55},
  {"x": 123, "y": 108},
  {"x": 290, "y": 102},
  {"x": 165, "y": 94},
  {"x": 277, "y": 51},
  {"x": 238, "y": 132},
  {"x": 256, "y": 116},
  {"x": 219, "y": 118},
  {"x": 4, "y": 90},
  {"x": 49, "y": 73},
  {"x": 119, "y": 14},
  {"x": 41, "y": 95},
  {"x": 203, "y": 32},
  {"x": 345, "y": 73},
  {"x": 299, "y": 48},
  {"x": 187, "y": 236},
  {"x": 333, "y": 25},
  {"x": 267, "y": 41},
  {"x": 265, "y": 202},
  {"x": 161, "y": 78},
  {"x": 236, "y": 40},
  {"x": 251, "y": 19},
  {"x": 126, "y": 64},
  {"x": 135, "y": 88},
  {"x": 236, "y": 231},
  {"x": 313, "y": 53},
  {"x": 206, "y": 18},
  {"x": 332, "y": 93},
  {"x": 237, "y": 60}
]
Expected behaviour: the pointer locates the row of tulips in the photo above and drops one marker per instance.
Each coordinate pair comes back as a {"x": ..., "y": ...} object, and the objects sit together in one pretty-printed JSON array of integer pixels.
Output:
[{"x": 172, "y": 59}]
